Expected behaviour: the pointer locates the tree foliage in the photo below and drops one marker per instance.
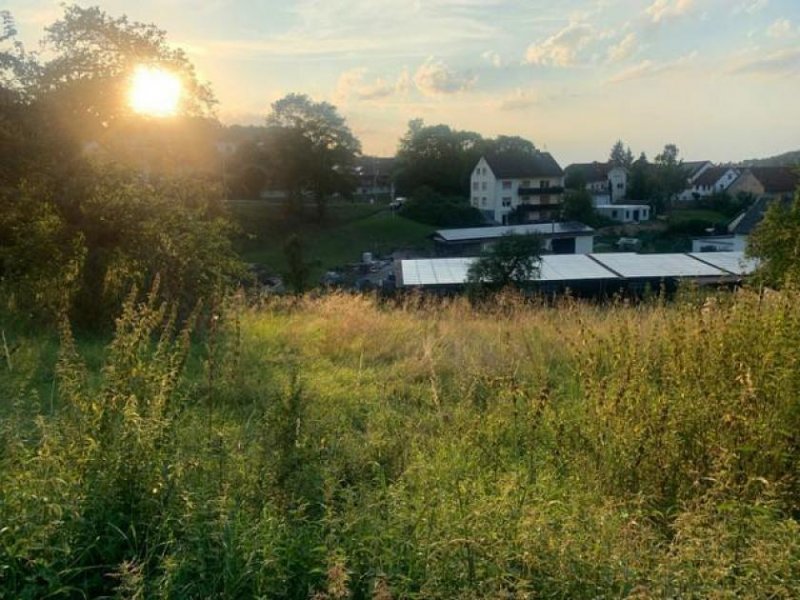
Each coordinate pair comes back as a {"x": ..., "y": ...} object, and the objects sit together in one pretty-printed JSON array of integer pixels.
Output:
[
  {"x": 317, "y": 148},
  {"x": 620, "y": 156},
  {"x": 776, "y": 242},
  {"x": 512, "y": 260},
  {"x": 577, "y": 206}
]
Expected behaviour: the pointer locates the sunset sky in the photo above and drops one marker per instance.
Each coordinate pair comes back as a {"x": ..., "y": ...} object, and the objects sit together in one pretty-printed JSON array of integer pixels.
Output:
[{"x": 720, "y": 78}]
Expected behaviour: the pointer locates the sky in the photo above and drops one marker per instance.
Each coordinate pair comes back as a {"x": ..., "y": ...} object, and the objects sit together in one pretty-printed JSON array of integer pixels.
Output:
[{"x": 719, "y": 78}]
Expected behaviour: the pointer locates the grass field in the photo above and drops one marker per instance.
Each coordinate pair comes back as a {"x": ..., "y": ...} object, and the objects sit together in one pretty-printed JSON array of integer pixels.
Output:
[
  {"x": 682, "y": 215},
  {"x": 339, "y": 448},
  {"x": 349, "y": 230}
]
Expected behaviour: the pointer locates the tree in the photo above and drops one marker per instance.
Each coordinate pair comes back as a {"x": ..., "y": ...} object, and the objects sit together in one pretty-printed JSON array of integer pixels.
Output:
[
  {"x": 640, "y": 185},
  {"x": 94, "y": 57},
  {"x": 620, "y": 156},
  {"x": 319, "y": 148},
  {"x": 297, "y": 269},
  {"x": 670, "y": 178},
  {"x": 437, "y": 157},
  {"x": 429, "y": 207},
  {"x": 776, "y": 242},
  {"x": 577, "y": 206},
  {"x": 512, "y": 260}
]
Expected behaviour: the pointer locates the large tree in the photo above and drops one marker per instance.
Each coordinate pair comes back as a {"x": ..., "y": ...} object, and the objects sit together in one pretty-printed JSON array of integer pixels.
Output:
[
  {"x": 512, "y": 260},
  {"x": 318, "y": 149},
  {"x": 669, "y": 177},
  {"x": 620, "y": 156}
]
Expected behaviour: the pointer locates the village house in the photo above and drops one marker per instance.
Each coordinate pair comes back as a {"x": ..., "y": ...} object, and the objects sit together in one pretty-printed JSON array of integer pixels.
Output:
[
  {"x": 531, "y": 185},
  {"x": 374, "y": 178},
  {"x": 607, "y": 183},
  {"x": 625, "y": 213},
  {"x": 767, "y": 182},
  {"x": 712, "y": 180}
]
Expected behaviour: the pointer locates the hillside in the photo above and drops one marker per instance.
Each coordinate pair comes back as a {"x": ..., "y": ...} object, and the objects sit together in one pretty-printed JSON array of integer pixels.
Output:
[
  {"x": 340, "y": 448},
  {"x": 788, "y": 159}
]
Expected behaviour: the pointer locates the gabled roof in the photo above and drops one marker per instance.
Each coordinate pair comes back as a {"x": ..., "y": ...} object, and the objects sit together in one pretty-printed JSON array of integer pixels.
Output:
[
  {"x": 592, "y": 172},
  {"x": 517, "y": 165},
  {"x": 691, "y": 167},
  {"x": 745, "y": 223},
  {"x": 777, "y": 180},
  {"x": 711, "y": 176}
]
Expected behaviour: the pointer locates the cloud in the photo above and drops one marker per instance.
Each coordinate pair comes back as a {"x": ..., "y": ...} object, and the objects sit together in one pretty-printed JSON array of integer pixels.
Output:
[
  {"x": 624, "y": 49},
  {"x": 649, "y": 68},
  {"x": 662, "y": 10},
  {"x": 435, "y": 78},
  {"x": 563, "y": 48},
  {"x": 780, "y": 29},
  {"x": 751, "y": 7},
  {"x": 783, "y": 62},
  {"x": 518, "y": 100},
  {"x": 493, "y": 58},
  {"x": 353, "y": 84}
]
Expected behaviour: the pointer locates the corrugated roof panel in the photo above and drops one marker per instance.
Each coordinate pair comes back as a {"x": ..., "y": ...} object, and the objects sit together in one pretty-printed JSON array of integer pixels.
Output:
[
  {"x": 482, "y": 233},
  {"x": 572, "y": 267},
  {"x": 733, "y": 262},
  {"x": 652, "y": 266}
]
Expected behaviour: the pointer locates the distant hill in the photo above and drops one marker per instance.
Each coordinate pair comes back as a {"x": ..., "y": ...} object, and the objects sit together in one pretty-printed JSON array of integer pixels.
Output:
[{"x": 789, "y": 159}]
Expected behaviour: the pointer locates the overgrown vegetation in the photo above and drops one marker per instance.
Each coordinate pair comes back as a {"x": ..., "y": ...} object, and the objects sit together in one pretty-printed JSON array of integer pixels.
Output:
[{"x": 336, "y": 448}]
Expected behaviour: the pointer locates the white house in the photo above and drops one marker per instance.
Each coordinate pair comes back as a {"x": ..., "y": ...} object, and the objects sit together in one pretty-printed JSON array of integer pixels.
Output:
[
  {"x": 625, "y": 213},
  {"x": 605, "y": 182},
  {"x": 710, "y": 181},
  {"x": 530, "y": 183}
]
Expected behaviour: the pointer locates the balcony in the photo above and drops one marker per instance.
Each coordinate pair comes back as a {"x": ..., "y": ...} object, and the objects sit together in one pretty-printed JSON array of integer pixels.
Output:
[{"x": 540, "y": 191}]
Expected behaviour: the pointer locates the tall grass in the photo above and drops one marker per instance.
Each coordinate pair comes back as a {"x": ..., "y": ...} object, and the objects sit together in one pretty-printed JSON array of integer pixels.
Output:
[{"x": 342, "y": 448}]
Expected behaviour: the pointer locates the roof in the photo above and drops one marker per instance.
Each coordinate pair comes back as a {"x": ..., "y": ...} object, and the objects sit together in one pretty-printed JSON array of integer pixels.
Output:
[
  {"x": 777, "y": 180},
  {"x": 516, "y": 165},
  {"x": 745, "y": 223},
  {"x": 711, "y": 176},
  {"x": 624, "y": 206},
  {"x": 591, "y": 172},
  {"x": 489, "y": 233},
  {"x": 691, "y": 167},
  {"x": 591, "y": 267}
]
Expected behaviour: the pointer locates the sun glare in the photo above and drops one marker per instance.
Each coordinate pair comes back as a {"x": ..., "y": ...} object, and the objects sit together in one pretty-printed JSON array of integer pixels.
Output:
[{"x": 155, "y": 92}]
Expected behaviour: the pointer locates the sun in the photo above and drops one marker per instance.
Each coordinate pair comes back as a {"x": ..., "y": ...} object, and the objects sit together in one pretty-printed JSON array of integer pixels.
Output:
[{"x": 154, "y": 92}]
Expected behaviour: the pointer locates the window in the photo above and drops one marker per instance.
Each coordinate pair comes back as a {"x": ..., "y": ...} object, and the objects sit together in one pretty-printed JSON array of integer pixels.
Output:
[
  {"x": 475, "y": 201},
  {"x": 483, "y": 201},
  {"x": 475, "y": 185},
  {"x": 506, "y": 185},
  {"x": 545, "y": 199},
  {"x": 543, "y": 184},
  {"x": 526, "y": 183},
  {"x": 614, "y": 214},
  {"x": 507, "y": 201},
  {"x": 483, "y": 186},
  {"x": 620, "y": 186}
]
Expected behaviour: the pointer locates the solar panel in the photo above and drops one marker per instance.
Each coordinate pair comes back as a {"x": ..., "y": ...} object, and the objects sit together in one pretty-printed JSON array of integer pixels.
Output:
[
  {"x": 733, "y": 262},
  {"x": 655, "y": 266},
  {"x": 572, "y": 267}
]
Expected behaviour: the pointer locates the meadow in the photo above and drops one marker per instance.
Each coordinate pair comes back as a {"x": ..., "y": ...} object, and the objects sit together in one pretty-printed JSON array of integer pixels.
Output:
[{"x": 339, "y": 447}]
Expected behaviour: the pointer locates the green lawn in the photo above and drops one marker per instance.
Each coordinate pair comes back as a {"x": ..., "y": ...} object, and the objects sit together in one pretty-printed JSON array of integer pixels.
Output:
[
  {"x": 349, "y": 230},
  {"x": 694, "y": 214}
]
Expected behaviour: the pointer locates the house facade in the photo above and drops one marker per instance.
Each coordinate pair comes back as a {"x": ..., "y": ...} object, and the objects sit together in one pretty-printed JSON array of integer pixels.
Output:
[
  {"x": 625, "y": 213},
  {"x": 374, "y": 177},
  {"x": 531, "y": 184},
  {"x": 713, "y": 180},
  {"x": 607, "y": 183},
  {"x": 767, "y": 182}
]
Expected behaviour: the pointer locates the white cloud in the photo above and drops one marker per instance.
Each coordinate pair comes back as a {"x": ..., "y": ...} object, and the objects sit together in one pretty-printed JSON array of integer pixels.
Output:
[
  {"x": 563, "y": 48},
  {"x": 649, "y": 68},
  {"x": 662, "y": 10},
  {"x": 780, "y": 63},
  {"x": 624, "y": 49},
  {"x": 751, "y": 7},
  {"x": 780, "y": 29},
  {"x": 519, "y": 99},
  {"x": 493, "y": 58},
  {"x": 353, "y": 84},
  {"x": 435, "y": 78}
]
